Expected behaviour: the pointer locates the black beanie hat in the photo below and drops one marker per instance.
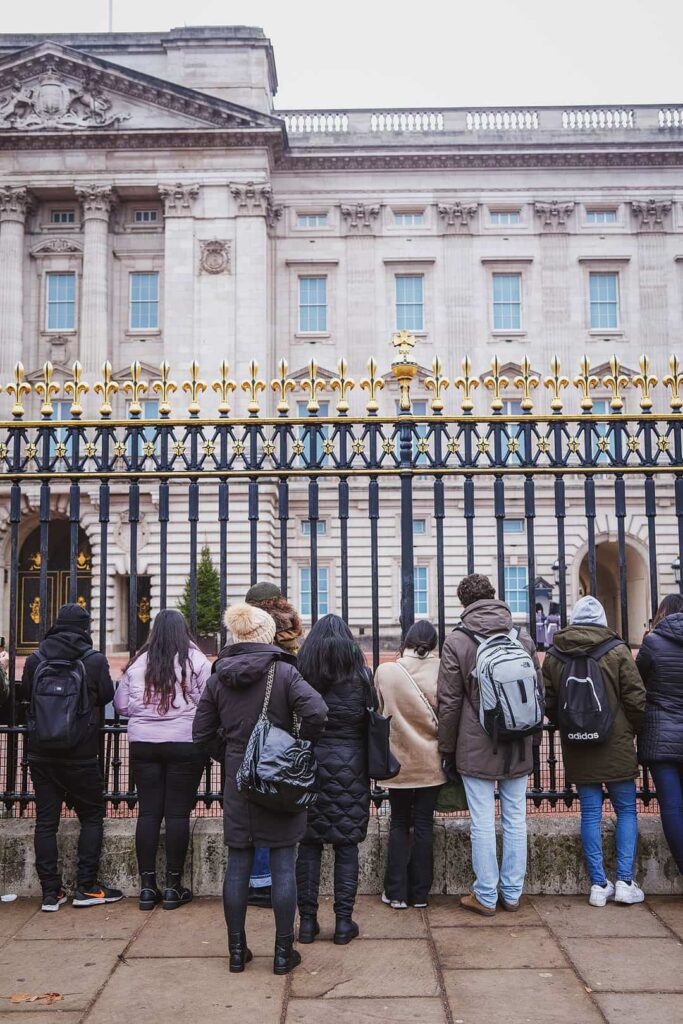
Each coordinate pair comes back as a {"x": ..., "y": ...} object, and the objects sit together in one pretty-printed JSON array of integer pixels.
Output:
[
  {"x": 263, "y": 592},
  {"x": 75, "y": 616}
]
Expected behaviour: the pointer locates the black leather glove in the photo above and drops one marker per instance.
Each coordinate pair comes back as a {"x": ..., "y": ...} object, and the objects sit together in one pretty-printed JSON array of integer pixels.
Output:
[{"x": 449, "y": 769}]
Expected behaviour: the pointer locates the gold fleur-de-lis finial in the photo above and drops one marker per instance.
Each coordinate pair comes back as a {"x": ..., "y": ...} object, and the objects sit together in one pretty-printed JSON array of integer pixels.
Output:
[
  {"x": 107, "y": 388},
  {"x": 467, "y": 384},
  {"x": 164, "y": 388},
  {"x": 526, "y": 382},
  {"x": 372, "y": 384},
  {"x": 496, "y": 383},
  {"x": 75, "y": 387},
  {"x": 252, "y": 385},
  {"x": 343, "y": 385},
  {"x": 18, "y": 389},
  {"x": 436, "y": 383},
  {"x": 616, "y": 380},
  {"x": 136, "y": 388},
  {"x": 313, "y": 384},
  {"x": 644, "y": 380},
  {"x": 586, "y": 381},
  {"x": 194, "y": 387},
  {"x": 47, "y": 389},
  {"x": 281, "y": 385},
  {"x": 556, "y": 382},
  {"x": 223, "y": 387},
  {"x": 674, "y": 380}
]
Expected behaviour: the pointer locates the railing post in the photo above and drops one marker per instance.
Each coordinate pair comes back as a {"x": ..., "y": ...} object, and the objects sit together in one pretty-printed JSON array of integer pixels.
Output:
[{"x": 404, "y": 369}]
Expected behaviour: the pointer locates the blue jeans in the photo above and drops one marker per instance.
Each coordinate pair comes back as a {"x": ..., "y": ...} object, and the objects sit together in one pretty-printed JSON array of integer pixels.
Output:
[
  {"x": 668, "y": 779},
  {"x": 260, "y": 871},
  {"x": 482, "y": 805},
  {"x": 623, "y": 797}
]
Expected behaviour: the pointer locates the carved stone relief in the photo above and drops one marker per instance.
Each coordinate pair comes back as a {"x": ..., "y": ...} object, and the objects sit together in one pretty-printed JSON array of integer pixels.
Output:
[
  {"x": 56, "y": 246},
  {"x": 214, "y": 256},
  {"x": 52, "y": 103},
  {"x": 256, "y": 198},
  {"x": 553, "y": 215},
  {"x": 458, "y": 215},
  {"x": 651, "y": 213},
  {"x": 178, "y": 199},
  {"x": 14, "y": 202},
  {"x": 96, "y": 199},
  {"x": 359, "y": 215}
]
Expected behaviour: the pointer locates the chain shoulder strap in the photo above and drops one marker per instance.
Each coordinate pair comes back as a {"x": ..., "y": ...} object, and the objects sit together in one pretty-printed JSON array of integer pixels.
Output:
[{"x": 269, "y": 690}]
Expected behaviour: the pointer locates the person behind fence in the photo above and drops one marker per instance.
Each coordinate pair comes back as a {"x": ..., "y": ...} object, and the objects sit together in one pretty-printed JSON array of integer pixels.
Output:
[
  {"x": 595, "y": 695},
  {"x": 485, "y": 746},
  {"x": 158, "y": 694},
  {"x": 66, "y": 682},
  {"x": 407, "y": 693},
  {"x": 552, "y": 623},
  {"x": 333, "y": 663},
  {"x": 232, "y": 702},
  {"x": 660, "y": 742}
]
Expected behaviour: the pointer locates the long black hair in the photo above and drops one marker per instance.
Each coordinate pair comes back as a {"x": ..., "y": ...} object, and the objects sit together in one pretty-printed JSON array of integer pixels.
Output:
[
  {"x": 329, "y": 654},
  {"x": 421, "y": 638},
  {"x": 169, "y": 639},
  {"x": 672, "y": 604}
]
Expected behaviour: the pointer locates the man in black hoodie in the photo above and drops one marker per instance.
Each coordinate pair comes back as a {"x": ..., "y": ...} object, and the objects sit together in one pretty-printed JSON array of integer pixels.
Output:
[{"x": 71, "y": 775}]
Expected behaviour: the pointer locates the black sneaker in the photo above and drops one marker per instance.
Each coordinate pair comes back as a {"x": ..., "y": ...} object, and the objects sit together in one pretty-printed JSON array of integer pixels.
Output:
[
  {"x": 96, "y": 894},
  {"x": 53, "y": 901}
]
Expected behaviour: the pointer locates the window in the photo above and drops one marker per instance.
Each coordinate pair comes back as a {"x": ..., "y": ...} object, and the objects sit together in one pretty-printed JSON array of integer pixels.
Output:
[
  {"x": 513, "y": 526},
  {"x": 306, "y": 527},
  {"x": 311, "y": 220},
  {"x": 601, "y": 217},
  {"x": 409, "y": 302},
  {"x": 507, "y": 302},
  {"x": 61, "y": 302},
  {"x": 604, "y": 301},
  {"x": 505, "y": 217},
  {"x": 312, "y": 304},
  {"x": 323, "y": 432},
  {"x": 147, "y": 435},
  {"x": 516, "y": 592},
  {"x": 62, "y": 216},
  {"x": 514, "y": 432},
  {"x": 305, "y": 597},
  {"x": 602, "y": 449},
  {"x": 144, "y": 301},
  {"x": 420, "y": 581},
  {"x": 61, "y": 410},
  {"x": 419, "y": 527},
  {"x": 145, "y": 216},
  {"x": 409, "y": 220}
]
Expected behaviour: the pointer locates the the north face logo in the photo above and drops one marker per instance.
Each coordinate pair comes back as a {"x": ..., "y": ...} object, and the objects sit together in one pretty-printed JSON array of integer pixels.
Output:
[{"x": 583, "y": 736}]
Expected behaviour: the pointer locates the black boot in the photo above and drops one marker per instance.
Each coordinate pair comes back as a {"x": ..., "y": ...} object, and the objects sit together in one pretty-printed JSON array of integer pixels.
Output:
[
  {"x": 240, "y": 954},
  {"x": 175, "y": 893},
  {"x": 286, "y": 957},
  {"x": 308, "y": 928},
  {"x": 344, "y": 931},
  {"x": 149, "y": 894}
]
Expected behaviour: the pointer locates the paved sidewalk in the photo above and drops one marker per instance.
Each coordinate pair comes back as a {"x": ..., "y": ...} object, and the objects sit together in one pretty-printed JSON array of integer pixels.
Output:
[{"x": 558, "y": 961}]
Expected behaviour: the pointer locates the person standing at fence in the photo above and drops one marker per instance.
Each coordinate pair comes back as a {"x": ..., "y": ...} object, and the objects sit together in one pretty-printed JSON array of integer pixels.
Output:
[
  {"x": 660, "y": 743},
  {"x": 590, "y": 669},
  {"x": 158, "y": 694},
  {"x": 482, "y": 761},
  {"x": 232, "y": 703},
  {"x": 552, "y": 623},
  {"x": 66, "y": 682},
  {"x": 407, "y": 693},
  {"x": 333, "y": 663}
]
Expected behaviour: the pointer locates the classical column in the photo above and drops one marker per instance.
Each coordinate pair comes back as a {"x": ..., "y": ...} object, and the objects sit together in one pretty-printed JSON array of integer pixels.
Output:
[
  {"x": 97, "y": 202},
  {"x": 14, "y": 203},
  {"x": 179, "y": 274}
]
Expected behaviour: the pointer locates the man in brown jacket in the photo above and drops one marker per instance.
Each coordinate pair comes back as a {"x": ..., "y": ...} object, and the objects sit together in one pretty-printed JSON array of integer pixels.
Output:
[{"x": 468, "y": 750}]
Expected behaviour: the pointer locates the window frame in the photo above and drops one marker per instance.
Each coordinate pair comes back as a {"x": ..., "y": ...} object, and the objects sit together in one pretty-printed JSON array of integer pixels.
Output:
[
  {"x": 156, "y": 303},
  {"x": 508, "y": 521},
  {"x": 405, "y": 276},
  {"x": 306, "y": 615},
  {"x": 399, "y": 222},
  {"x": 418, "y": 612},
  {"x": 305, "y": 527},
  {"x": 307, "y": 331},
  {"x": 312, "y": 214},
  {"x": 594, "y": 273},
  {"x": 509, "y": 274},
  {"x": 496, "y": 213},
  {"x": 69, "y": 212},
  {"x": 154, "y": 218},
  {"x": 598, "y": 211},
  {"x": 49, "y": 275},
  {"x": 523, "y": 571}
]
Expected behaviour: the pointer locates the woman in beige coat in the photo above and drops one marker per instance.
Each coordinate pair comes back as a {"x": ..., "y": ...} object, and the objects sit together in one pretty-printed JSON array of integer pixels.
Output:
[{"x": 407, "y": 693}]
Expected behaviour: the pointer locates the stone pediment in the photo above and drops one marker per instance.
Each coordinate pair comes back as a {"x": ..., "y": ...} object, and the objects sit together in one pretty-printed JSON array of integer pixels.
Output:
[{"x": 52, "y": 88}]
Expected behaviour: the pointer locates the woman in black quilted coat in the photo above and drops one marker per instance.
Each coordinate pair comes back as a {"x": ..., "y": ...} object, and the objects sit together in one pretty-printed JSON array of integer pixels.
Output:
[
  {"x": 332, "y": 663},
  {"x": 660, "y": 743}
]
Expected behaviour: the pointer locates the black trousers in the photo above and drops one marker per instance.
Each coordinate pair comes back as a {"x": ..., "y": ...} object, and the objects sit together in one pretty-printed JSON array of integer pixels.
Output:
[
  {"x": 410, "y": 870},
  {"x": 345, "y": 877},
  {"x": 167, "y": 776},
  {"x": 79, "y": 784}
]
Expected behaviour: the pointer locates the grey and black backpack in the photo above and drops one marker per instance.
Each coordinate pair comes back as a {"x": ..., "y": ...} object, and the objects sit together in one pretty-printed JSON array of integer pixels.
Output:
[{"x": 584, "y": 713}]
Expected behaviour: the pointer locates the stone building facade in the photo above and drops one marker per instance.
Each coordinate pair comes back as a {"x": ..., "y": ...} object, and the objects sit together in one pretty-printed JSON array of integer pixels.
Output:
[{"x": 156, "y": 205}]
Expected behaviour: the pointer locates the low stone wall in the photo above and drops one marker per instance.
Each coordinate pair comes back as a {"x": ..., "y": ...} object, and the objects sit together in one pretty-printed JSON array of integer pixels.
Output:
[{"x": 555, "y": 860}]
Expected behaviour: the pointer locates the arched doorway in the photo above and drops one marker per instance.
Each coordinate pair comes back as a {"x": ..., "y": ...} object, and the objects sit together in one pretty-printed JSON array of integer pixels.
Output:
[
  {"x": 608, "y": 591},
  {"x": 28, "y": 610}
]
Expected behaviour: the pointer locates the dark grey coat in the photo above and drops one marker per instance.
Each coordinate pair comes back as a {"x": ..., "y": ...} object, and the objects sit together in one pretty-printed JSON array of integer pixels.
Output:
[
  {"x": 660, "y": 663},
  {"x": 231, "y": 703}
]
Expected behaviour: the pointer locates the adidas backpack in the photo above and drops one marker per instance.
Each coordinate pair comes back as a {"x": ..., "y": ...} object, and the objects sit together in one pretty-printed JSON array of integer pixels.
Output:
[
  {"x": 584, "y": 713},
  {"x": 60, "y": 710},
  {"x": 510, "y": 703}
]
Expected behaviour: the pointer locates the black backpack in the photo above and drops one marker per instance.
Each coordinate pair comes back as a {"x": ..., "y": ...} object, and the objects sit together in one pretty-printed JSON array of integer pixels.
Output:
[
  {"x": 584, "y": 713},
  {"x": 60, "y": 710}
]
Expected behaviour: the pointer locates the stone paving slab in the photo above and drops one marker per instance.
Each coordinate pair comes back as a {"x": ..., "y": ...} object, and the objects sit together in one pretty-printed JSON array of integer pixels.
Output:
[
  {"x": 504, "y": 947},
  {"x": 629, "y": 965},
  {"x": 619, "y": 1008},
  {"x": 14, "y": 916},
  {"x": 111, "y": 921},
  {"x": 367, "y": 1011},
  {"x": 572, "y": 917},
  {"x": 34, "y": 1016},
  {"x": 519, "y": 997},
  {"x": 198, "y": 930},
  {"x": 75, "y": 969},
  {"x": 372, "y": 968},
  {"x": 671, "y": 912},
  {"x": 376, "y": 920},
  {"x": 446, "y": 912}
]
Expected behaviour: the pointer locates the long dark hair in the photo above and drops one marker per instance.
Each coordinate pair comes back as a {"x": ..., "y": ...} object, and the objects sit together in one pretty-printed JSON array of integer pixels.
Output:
[
  {"x": 169, "y": 639},
  {"x": 329, "y": 654},
  {"x": 672, "y": 604},
  {"x": 421, "y": 637}
]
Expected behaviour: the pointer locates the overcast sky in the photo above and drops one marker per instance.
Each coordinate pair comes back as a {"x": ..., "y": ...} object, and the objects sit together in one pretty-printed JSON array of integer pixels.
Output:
[{"x": 423, "y": 52}]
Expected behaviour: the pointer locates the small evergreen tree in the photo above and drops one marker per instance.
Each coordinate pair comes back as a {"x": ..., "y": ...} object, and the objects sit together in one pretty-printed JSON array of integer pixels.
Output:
[{"x": 208, "y": 596}]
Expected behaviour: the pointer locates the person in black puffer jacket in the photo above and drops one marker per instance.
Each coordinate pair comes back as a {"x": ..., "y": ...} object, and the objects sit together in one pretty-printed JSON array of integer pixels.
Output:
[
  {"x": 331, "y": 661},
  {"x": 660, "y": 743}
]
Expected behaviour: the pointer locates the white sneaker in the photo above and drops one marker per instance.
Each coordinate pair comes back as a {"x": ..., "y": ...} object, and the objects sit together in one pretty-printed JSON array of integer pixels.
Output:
[
  {"x": 629, "y": 892},
  {"x": 394, "y": 904},
  {"x": 600, "y": 894}
]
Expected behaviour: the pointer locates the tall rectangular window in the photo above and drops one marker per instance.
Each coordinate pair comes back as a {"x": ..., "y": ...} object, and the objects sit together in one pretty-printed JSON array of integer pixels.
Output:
[
  {"x": 604, "y": 297},
  {"x": 507, "y": 302},
  {"x": 601, "y": 216},
  {"x": 312, "y": 304},
  {"x": 409, "y": 302},
  {"x": 311, "y": 220},
  {"x": 305, "y": 597},
  {"x": 505, "y": 217},
  {"x": 61, "y": 302},
  {"x": 144, "y": 301},
  {"x": 409, "y": 220},
  {"x": 516, "y": 592},
  {"x": 421, "y": 579}
]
